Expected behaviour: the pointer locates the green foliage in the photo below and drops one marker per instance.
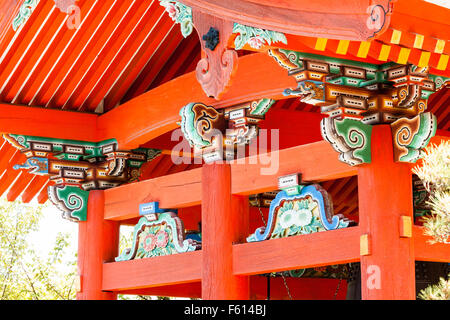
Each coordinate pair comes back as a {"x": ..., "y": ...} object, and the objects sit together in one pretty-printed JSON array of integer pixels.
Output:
[
  {"x": 440, "y": 291},
  {"x": 24, "y": 273},
  {"x": 435, "y": 175}
]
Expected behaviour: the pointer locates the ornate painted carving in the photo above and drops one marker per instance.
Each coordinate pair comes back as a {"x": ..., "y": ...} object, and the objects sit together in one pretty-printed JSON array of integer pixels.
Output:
[
  {"x": 378, "y": 19},
  {"x": 355, "y": 95},
  {"x": 215, "y": 135},
  {"x": 367, "y": 92},
  {"x": 71, "y": 201},
  {"x": 351, "y": 138},
  {"x": 306, "y": 211},
  {"x": 158, "y": 233},
  {"x": 78, "y": 165},
  {"x": 25, "y": 11},
  {"x": 198, "y": 122},
  {"x": 255, "y": 37},
  {"x": 179, "y": 13},
  {"x": 356, "y": 21},
  {"x": 410, "y": 136}
]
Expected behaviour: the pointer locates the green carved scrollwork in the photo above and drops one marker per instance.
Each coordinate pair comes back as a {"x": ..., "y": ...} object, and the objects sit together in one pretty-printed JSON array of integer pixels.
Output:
[
  {"x": 255, "y": 37},
  {"x": 351, "y": 138},
  {"x": 410, "y": 136},
  {"x": 24, "y": 13},
  {"x": 72, "y": 201},
  {"x": 179, "y": 13}
]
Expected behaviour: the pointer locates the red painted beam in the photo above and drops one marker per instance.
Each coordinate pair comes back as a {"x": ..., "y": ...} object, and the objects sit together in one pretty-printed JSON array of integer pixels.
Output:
[
  {"x": 224, "y": 222},
  {"x": 157, "y": 111},
  {"x": 47, "y": 123},
  {"x": 299, "y": 288},
  {"x": 65, "y": 51},
  {"x": 19, "y": 185},
  {"x": 323, "y": 248},
  {"x": 316, "y": 161},
  {"x": 158, "y": 271},
  {"x": 305, "y": 251}
]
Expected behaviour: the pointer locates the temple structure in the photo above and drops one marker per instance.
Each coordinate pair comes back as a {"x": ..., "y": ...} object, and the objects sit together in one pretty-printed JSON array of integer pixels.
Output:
[{"x": 261, "y": 149}]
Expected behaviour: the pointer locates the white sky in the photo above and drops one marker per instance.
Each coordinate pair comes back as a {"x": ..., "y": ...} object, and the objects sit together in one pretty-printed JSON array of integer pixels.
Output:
[
  {"x": 50, "y": 225},
  {"x": 442, "y": 3}
]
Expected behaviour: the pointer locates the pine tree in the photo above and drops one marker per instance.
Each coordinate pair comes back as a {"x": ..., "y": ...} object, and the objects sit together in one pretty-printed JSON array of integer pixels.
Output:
[{"x": 435, "y": 175}]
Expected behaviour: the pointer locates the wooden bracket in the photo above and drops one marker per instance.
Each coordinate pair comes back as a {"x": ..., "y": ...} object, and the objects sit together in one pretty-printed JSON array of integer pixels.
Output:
[{"x": 218, "y": 64}]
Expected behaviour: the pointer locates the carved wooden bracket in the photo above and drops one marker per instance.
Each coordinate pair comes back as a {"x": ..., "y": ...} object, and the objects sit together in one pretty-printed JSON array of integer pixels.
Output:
[
  {"x": 216, "y": 134},
  {"x": 218, "y": 64},
  {"x": 410, "y": 136},
  {"x": 356, "y": 95},
  {"x": 76, "y": 167},
  {"x": 350, "y": 137}
]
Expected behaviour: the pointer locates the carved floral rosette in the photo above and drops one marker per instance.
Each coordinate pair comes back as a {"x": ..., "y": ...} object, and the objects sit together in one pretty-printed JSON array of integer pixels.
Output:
[
  {"x": 308, "y": 212},
  {"x": 158, "y": 234}
]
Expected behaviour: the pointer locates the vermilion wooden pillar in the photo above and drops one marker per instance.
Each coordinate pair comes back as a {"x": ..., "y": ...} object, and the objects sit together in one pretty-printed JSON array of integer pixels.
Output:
[
  {"x": 385, "y": 195},
  {"x": 224, "y": 221},
  {"x": 98, "y": 241}
]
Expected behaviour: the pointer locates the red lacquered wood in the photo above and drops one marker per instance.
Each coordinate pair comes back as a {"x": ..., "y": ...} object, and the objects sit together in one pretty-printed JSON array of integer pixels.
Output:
[
  {"x": 299, "y": 289},
  {"x": 35, "y": 186},
  {"x": 220, "y": 216},
  {"x": 305, "y": 251},
  {"x": 156, "y": 112},
  {"x": 150, "y": 272},
  {"x": 19, "y": 185},
  {"x": 98, "y": 242},
  {"x": 48, "y": 123},
  {"x": 385, "y": 194},
  {"x": 316, "y": 161}
]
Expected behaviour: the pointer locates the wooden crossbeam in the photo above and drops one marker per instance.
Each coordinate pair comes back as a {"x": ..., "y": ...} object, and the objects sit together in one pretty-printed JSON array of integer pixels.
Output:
[
  {"x": 157, "y": 111},
  {"x": 299, "y": 288},
  {"x": 322, "y": 248},
  {"x": 49, "y": 123},
  {"x": 316, "y": 161},
  {"x": 317, "y": 249},
  {"x": 141, "y": 273}
]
